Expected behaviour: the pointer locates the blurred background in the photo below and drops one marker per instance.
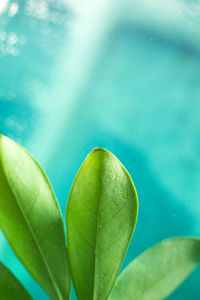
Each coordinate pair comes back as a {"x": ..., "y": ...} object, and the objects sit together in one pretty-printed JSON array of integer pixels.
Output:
[{"x": 118, "y": 74}]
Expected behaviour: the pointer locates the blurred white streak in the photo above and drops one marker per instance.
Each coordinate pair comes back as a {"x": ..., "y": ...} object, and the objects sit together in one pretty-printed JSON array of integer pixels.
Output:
[
  {"x": 93, "y": 21},
  {"x": 3, "y": 5}
]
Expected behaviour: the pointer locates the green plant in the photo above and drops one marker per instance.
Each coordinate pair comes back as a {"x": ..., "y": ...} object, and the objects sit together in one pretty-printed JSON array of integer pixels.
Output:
[{"x": 101, "y": 216}]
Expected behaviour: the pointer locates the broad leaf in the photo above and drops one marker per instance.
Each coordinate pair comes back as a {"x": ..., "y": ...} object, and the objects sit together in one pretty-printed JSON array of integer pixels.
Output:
[
  {"x": 31, "y": 220},
  {"x": 10, "y": 287},
  {"x": 101, "y": 215},
  {"x": 158, "y": 271}
]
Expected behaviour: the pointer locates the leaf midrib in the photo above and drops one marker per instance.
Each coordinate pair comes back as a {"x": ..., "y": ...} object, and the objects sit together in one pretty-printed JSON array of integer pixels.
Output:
[
  {"x": 97, "y": 226},
  {"x": 51, "y": 276}
]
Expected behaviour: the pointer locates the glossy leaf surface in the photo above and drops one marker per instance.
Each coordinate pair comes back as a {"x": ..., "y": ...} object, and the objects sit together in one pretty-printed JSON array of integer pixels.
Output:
[
  {"x": 101, "y": 216},
  {"x": 31, "y": 220},
  {"x": 10, "y": 287},
  {"x": 158, "y": 271}
]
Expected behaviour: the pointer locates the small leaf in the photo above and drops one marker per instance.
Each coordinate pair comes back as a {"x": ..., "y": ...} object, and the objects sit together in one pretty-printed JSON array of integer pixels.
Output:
[
  {"x": 101, "y": 216},
  {"x": 158, "y": 271},
  {"x": 31, "y": 220},
  {"x": 10, "y": 287}
]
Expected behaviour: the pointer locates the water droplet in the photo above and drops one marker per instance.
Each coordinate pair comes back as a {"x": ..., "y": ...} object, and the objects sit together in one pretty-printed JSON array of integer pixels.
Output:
[{"x": 13, "y": 9}]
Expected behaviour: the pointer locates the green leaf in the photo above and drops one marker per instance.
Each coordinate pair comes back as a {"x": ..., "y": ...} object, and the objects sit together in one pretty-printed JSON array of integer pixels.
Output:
[
  {"x": 158, "y": 271},
  {"x": 31, "y": 220},
  {"x": 101, "y": 216},
  {"x": 10, "y": 287}
]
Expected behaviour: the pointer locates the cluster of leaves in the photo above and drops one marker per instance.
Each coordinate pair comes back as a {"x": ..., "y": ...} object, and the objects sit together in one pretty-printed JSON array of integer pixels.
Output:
[{"x": 101, "y": 215}]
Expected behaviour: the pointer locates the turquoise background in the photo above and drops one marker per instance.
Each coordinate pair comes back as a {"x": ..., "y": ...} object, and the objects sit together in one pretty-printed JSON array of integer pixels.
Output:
[{"x": 124, "y": 79}]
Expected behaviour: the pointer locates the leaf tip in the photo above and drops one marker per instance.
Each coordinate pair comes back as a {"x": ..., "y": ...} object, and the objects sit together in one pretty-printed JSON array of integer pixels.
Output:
[
  {"x": 101, "y": 150},
  {"x": 97, "y": 149}
]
